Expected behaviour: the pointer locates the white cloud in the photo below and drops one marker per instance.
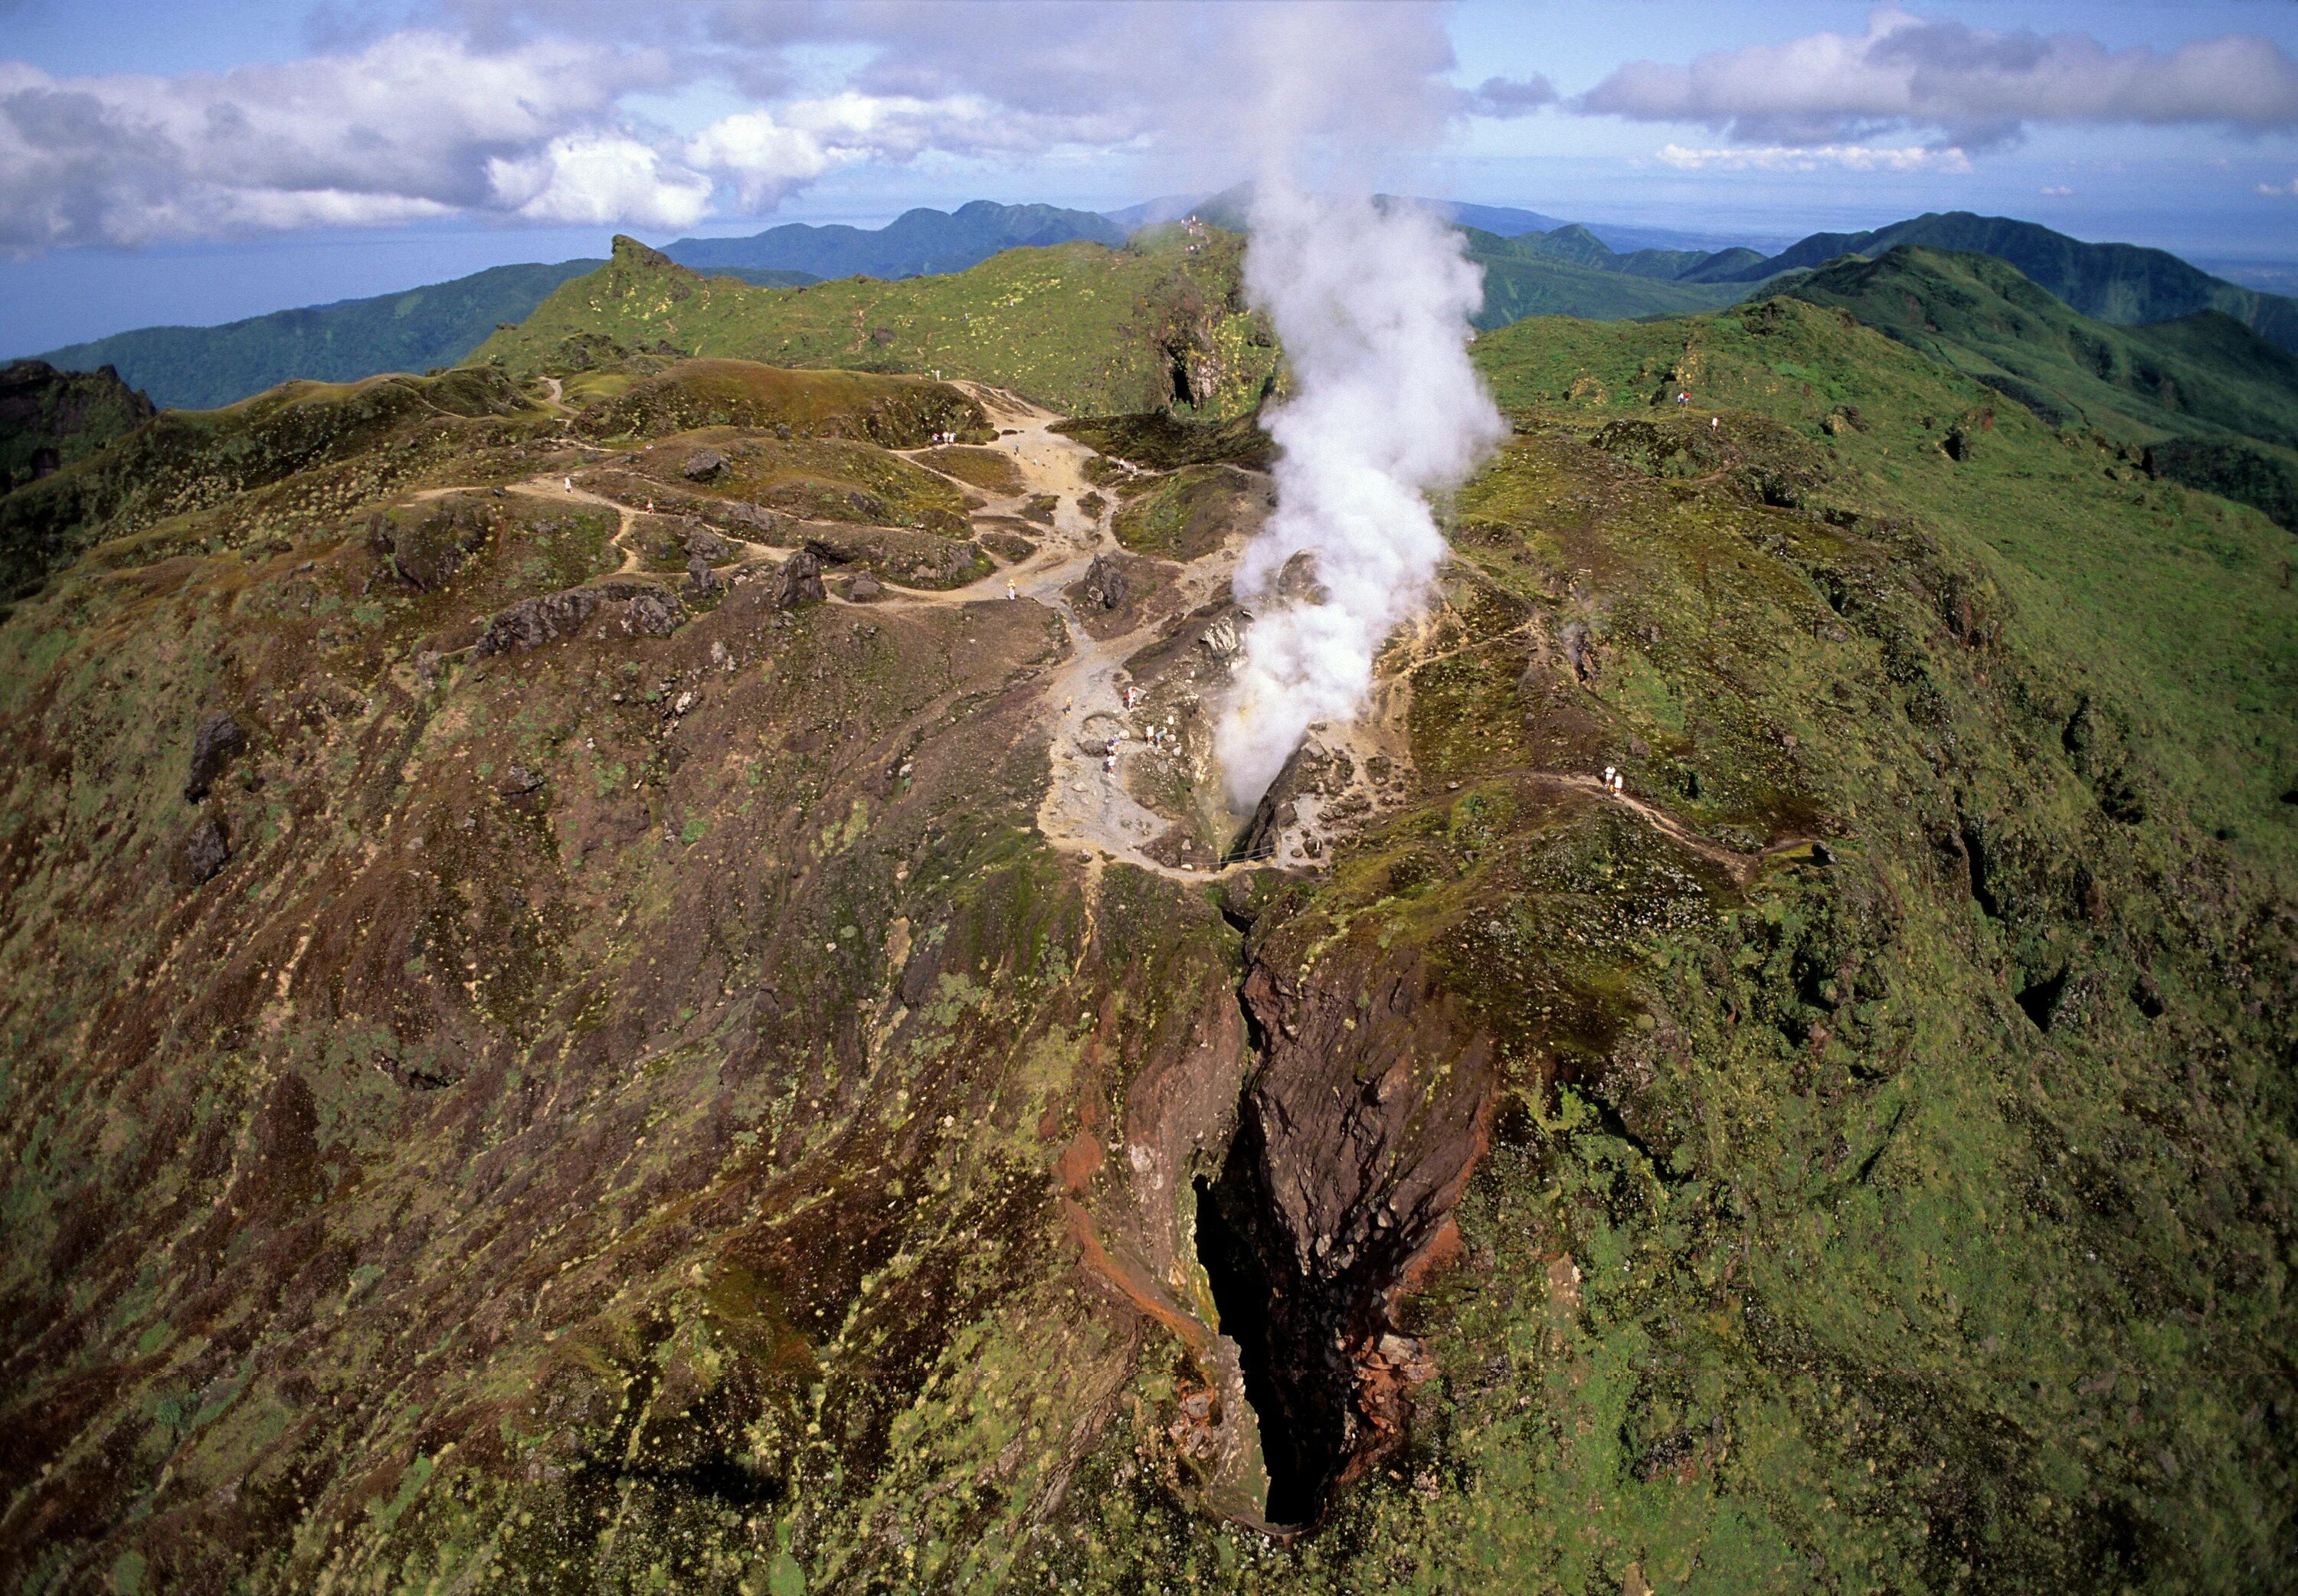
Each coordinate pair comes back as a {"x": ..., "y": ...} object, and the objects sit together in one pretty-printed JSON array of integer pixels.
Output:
[
  {"x": 528, "y": 112},
  {"x": 1975, "y": 87},
  {"x": 763, "y": 160},
  {"x": 599, "y": 178},
  {"x": 1810, "y": 158},
  {"x": 767, "y": 154},
  {"x": 2057, "y": 191},
  {"x": 412, "y": 125},
  {"x": 2281, "y": 190}
]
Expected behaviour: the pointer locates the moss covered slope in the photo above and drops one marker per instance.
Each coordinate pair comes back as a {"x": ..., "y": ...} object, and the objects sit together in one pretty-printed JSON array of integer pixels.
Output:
[
  {"x": 1078, "y": 327},
  {"x": 649, "y": 1110}
]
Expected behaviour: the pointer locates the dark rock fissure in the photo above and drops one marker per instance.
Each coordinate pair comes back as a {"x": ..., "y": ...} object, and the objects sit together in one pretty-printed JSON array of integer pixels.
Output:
[
  {"x": 1301, "y": 1406},
  {"x": 1241, "y": 1293}
]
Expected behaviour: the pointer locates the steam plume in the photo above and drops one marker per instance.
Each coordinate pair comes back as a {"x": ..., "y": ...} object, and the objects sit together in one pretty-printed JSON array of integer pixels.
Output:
[{"x": 1371, "y": 303}]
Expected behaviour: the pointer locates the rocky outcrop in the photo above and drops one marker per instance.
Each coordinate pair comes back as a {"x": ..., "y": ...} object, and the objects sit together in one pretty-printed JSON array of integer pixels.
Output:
[
  {"x": 428, "y": 545},
  {"x": 650, "y": 609},
  {"x": 49, "y": 419},
  {"x": 1355, "y": 1139},
  {"x": 1106, "y": 582},
  {"x": 206, "y": 850},
  {"x": 707, "y": 546},
  {"x": 801, "y": 580},
  {"x": 1315, "y": 773},
  {"x": 213, "y": 745}
]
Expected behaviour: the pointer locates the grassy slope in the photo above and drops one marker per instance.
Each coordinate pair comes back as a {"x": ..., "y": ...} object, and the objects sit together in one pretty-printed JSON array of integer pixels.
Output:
[
  {"x": 1843, "y": 1273},
  {"x": 197, "y": 368},
  {"x": 201, "y": 476},
  {"x": 751, "y": 1238},
  {"x": 2204, "y": 373},
  {"x": 1520, "y": 281},
  {"x": 2071, "y": 531},
  {"x": 1077, "y": 326},
  {"x": 2119, "y": 283}
]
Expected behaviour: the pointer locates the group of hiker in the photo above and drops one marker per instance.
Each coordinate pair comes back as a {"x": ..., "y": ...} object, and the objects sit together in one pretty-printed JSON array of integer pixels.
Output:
[{"x": 1157, "y": 736}]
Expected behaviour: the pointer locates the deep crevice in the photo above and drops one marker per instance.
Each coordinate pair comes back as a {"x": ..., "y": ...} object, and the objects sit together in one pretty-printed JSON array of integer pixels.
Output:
[
  {"x": 1240, "y": 1296},
  {"x": 1297, "y": 1374},
  {"x": 1974, "y": 849}
]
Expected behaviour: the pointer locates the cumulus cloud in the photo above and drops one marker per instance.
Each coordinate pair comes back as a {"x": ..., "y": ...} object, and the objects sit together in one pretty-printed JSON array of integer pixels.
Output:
[
  {"x": 598, "y": 178},
  {"x": 521, "y": 110},
  {"x": 1810, "y": 158},
  {"x": 413, "y": 125},
  {"x": 1975, "y": 87}
]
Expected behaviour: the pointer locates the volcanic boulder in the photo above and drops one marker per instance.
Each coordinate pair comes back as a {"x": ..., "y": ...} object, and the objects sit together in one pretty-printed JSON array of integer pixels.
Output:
[
  {"x": 1105, "y": 582},
  {"x": 218, "y": 739},
  {"x": 801, "y": 580},
  {"x": 205, "y": 850}
]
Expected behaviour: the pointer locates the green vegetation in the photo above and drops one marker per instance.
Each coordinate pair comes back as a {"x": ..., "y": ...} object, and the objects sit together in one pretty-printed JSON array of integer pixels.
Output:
[
  {"x": 49, "y": 419},
  {"x": 982, "y": 467},
  {"x": 199, "y": 478},
  {"x": 1077, "y": 326},
  {"x": 2119, "y": 283},
  {"x": 2205, "y": 373},
  {"x": 198, "y": 369},
  {"x": 823, "y": 479},
  {"x": 2265, "y": 479},
  {"x": 894, "y": 413},
  {"x": 1538, "y": 275},
  {"x": 639, "y": 1105},
  {"x": 1190, "y": 512},
  {"x": 918, "y": 243},
  {"x": 1158, "y": 441}
]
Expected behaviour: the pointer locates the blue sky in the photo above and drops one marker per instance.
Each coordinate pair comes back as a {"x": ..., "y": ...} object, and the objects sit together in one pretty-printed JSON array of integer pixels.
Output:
[{"x": 194, "y": 163}]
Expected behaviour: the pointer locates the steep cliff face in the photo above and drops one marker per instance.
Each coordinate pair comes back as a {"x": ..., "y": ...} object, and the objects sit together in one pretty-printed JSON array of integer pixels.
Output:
[{"x": 49, "y": 419}]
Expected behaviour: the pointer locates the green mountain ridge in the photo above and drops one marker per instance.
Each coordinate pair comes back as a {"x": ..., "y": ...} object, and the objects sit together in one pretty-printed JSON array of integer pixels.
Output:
[
  {"x": 1529, "y": 271},
  {"x": 2213, "y": 404},
  {"x": 2201, "y": 373},
  {"x": 1555, "y": 274},
  {"x": 198, "y": 369},
  {"x": 1079, "y": 326},
  {"x": 919, "y": 243},
  {"x": 2120, "y": 283}
]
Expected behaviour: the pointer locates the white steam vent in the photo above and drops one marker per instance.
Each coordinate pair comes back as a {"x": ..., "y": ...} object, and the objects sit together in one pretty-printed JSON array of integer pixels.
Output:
[{"x": 1371, "y": 303}]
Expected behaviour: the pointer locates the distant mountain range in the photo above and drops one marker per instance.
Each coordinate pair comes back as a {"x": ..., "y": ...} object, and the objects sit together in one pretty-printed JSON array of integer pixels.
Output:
[
  {"x": 201, "y": 367},
  {"x": 2213, "y": 405},
  {"x": 1534, "y": 265},
  {"x": 916, "y": 244},
  {"x": 2120, "y": 283},
  {"x": 1227, "y": 208}
]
